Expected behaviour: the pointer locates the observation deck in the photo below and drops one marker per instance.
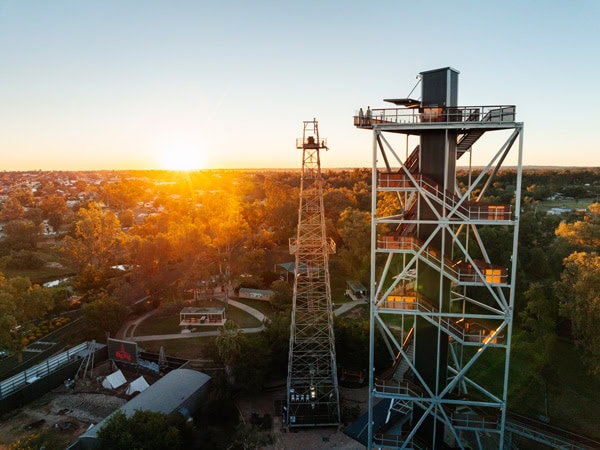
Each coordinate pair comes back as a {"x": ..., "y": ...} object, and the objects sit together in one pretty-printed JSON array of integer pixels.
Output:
[{"x": 492, "y": 117}]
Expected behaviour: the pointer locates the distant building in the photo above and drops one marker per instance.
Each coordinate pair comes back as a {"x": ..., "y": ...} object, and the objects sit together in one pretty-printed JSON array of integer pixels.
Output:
[
  {"x": 558, "y": 211},
  {"x": 356, "y": 290},
  {"x": 258, "y": 294}
]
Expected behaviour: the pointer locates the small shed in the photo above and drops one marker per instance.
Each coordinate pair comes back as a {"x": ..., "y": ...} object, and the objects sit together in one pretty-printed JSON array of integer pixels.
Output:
[
  {"x": 355, "y": 290},
  {"x": 258, "y": 294},
  {"x": 191, "y": 316}
]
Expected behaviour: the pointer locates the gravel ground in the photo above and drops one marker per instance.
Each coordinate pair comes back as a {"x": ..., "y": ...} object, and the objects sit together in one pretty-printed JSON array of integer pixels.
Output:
[{"x": 64, "y": 412}]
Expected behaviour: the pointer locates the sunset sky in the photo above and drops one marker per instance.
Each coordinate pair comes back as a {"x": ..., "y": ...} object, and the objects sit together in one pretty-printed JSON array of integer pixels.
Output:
[{"x": 114, "y": 84}]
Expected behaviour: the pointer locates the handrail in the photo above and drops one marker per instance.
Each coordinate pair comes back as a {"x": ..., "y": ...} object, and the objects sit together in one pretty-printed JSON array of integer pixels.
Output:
[
  {"x": 52, "y": 364},
  {"x": 470, "y": 209},
  {"x": 438, "y": 114},
  {"x": 462, "y": 331},
  {"x": 394, "y": 241}
]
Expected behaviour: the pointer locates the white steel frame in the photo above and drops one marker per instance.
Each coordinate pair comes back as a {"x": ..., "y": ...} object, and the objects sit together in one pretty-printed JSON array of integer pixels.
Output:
[{"x": 478, "y": 290}]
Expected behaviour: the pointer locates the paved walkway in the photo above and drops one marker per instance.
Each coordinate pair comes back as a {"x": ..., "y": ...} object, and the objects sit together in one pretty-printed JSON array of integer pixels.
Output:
[
  {"x": 348, "y": 306},
  {"x": 128, "y": 330}
]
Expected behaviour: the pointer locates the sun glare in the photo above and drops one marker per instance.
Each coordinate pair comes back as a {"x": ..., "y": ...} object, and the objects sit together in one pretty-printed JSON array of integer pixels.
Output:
[{"x": 182, "y": 159}]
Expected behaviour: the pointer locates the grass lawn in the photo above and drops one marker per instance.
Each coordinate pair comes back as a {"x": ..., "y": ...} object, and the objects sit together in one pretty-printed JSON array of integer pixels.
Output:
[
  {"x": 260, "y": 305},
  {"x": 563, "y": 203},
  {"x": 163, "y": 322},
  {"x": 574, "y": 397},
  {"x": 188, "y": 348}
]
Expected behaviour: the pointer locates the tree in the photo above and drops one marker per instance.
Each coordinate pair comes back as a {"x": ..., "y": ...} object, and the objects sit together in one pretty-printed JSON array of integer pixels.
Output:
[
  {"x": 21, "y": 234},
  {"x": 148, "y": 430},
  {"x": 539, "y": 321},
  {"x": 53, "y": 203},
  {"x": 104, "y": 315},
  {"x": 277, "y": 338},
  {"x": 98, "y": 242},
  {"x": 12, "y": 210},
  {"x": 281, "y": 209},
  {"x": 229, "y": 345},
  {"x": 354, "y": 254},
  {"x": 20, "y": 303},
  {"x": 583, "y": 234},
  {"x": 226, "y": 228},
  {"x": 579, "y": 289},
  {"x": 282, "y": 294}
]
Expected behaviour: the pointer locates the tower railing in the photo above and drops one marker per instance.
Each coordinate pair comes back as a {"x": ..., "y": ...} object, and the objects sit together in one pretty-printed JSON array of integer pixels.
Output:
[{"x": 438, "y": 114}]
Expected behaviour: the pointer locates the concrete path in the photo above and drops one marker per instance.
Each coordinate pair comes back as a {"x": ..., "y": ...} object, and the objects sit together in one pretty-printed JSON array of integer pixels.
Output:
[
  {"x": 128, "y": 330},
  {"x": 348, "y": 306},
  {"x": 161, "y": 337},
  {"x": 250, "y": 310}
]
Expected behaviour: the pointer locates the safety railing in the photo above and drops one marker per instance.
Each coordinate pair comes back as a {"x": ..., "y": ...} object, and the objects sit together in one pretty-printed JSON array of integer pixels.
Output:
[
  {"x": 404, "y": 388},
  {"x": 39, "y": 371},
  {"x": 475, "y": 421},
  {"x": 399, "y": 181},
  {"x": 438, "y": 114},
  {"x": 393, "y": 241}
]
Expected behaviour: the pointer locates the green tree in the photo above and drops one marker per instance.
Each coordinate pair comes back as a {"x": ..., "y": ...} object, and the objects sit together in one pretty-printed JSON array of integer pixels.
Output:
[
  {"x": 228, "y": 344},
  {"x": 104, "y": 315},
  {"x": 145, "y": 430},
  {"x": 20, "y": 303},
  {"x": 354, "y": 227},
  {"x": 282, "y": 294},
  {"x": 539, "y": 322},
  {"x": 579, "y": 290},
  {"x": 277, "y": 338}
]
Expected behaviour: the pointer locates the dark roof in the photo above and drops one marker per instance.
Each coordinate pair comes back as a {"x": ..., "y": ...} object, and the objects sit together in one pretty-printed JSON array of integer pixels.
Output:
[
  {"x": 358, "y": 431},
  {"x": 164, "y": 396},
  {"x": 289, "y": 266}
]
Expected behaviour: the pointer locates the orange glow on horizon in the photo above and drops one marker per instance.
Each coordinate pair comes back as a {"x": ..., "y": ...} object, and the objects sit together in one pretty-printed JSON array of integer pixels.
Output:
[{"x": 182, "y": 159}]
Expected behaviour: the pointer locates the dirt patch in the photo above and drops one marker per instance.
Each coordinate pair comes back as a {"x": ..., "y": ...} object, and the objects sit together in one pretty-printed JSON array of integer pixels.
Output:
[{"x": 66, "y": 413}]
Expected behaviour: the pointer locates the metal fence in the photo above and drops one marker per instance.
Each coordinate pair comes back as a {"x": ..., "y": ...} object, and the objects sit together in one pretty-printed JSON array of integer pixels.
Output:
[{"x": 39, "y": 371}]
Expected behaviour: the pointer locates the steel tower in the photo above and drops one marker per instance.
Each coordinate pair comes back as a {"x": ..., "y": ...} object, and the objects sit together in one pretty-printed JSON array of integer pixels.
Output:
[
  {"x": 442, "y": 293},
  {"x": 312, "y": 387}
]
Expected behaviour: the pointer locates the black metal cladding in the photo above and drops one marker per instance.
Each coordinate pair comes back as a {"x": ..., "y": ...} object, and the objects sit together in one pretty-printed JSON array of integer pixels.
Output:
[{"x": 440, "y": 87}]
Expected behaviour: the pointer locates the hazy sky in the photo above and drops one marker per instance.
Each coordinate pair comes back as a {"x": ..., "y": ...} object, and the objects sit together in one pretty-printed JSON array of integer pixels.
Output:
[{"x": 116, "y": 84}]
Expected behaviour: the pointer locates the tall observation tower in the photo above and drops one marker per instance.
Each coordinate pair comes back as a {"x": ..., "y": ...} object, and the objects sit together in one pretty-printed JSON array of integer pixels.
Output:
[
  {"x": 312, "y": 388},
  {"x": 442, "y": 289}
]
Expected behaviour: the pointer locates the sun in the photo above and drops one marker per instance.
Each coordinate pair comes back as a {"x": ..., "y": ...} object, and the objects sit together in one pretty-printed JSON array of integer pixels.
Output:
[{"x": 182, "y": 159}]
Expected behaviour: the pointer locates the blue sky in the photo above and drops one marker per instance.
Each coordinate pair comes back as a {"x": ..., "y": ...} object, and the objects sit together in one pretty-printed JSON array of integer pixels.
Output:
[{"x": 137, "y": 84}]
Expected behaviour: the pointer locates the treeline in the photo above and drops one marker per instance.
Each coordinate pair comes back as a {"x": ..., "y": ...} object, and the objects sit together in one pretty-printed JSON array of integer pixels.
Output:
[{"x": 128, "y": 235}]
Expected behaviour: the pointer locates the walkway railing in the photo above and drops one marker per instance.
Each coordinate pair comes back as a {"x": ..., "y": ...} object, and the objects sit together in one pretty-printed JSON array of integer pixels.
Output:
[
  {"x": 21, "y": 380},
  {"x": 399, "y": 181},
  {"x": 435, "y": 115}
]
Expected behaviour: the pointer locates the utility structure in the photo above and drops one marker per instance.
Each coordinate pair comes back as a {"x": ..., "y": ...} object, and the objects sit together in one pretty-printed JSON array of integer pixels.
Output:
[
  {"x": 442, "y": 288},
  {"x": 312, "y": 387}
]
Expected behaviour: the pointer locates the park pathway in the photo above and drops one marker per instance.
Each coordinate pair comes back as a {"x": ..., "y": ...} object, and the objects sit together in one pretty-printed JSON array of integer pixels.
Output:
[{"x": 127, "y": 332}]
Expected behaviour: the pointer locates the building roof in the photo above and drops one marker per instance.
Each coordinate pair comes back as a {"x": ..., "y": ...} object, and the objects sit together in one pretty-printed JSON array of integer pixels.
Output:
[
  {"x": 289, "y": 266},
  {"x": 257, "y": 291},
  {"x": 164, "y": 396},
  {"x": 356, "y": 285}
]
